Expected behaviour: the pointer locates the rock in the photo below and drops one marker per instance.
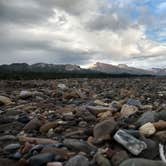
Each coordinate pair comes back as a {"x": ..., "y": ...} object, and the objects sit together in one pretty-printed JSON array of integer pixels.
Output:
[
  {"x": 161, "y": 115},
  {"x": 78, "y": 145},
  {"x": 160, "y": 125},
  {"x": 62, "y": 86},
  {"x": 11, "y": 148},
  {"x": 152, "y": 149},
  {"x": 23, "y": 119},
  {"x": 101, "y": 103},
  {"x": 115, "y": 106},
  {"x": 161, "y": 136},
  {"x": 36, "y": 140},
  {"x": 41, "y": 159},
  {"x": 82, "y": 124},
  {"x": 142, "y": 162},
  {"x": 78, "y": 160},
  {"x": 104, "y": 115},
  {"x": 101, "y": 160},
  {"x": 62, "y": 154},
  {"x": 25, "y": 94},
  {"x": 54, "y": 164},
  {"x": 8, "y": 138},
  {"x": 45, "y": 128},
  {"x": 119, "y": 157},
  {"x": 134, "y": 102},
  {"x": 146, "y": 117},
  {"x": 5, "y": 100},
  {"x": 128, "y": 110},
  {"x": 50, "y": 133},
  {"x": 103, "y": 130},
  {"x": 147, "y": 129},
  {"x": 34, "y": 124},
  {"x": 16, "y": 156},
  {"x": 131, "y": 143},
  {"x": 97, "y": 109}
]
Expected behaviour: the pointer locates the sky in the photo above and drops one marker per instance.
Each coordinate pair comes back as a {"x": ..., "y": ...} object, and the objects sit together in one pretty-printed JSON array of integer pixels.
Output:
[{"x": 83, "y": 32}]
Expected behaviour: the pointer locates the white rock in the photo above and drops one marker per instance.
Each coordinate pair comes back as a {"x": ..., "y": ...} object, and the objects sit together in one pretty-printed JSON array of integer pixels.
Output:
[{"x": 147, "y": 129}]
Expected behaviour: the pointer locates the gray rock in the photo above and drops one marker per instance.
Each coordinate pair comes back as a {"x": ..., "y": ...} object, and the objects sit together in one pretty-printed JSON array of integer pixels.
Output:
[
  {"x": 101, "y": 160},
  {"x": 147, "y": 117},
  {"x": 142, "y": 162},
  {"x": 41, "y": 159},
  {"x": 78, "y": 160},
  {"x": 11, "y": 148},
  {"x": 131, "y": 143},
  {"x": 78, "y": 145}
]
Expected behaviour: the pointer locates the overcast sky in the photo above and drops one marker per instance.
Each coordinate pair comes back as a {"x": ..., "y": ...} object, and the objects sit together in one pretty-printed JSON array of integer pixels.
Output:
[{"x": 83, "y": 32}]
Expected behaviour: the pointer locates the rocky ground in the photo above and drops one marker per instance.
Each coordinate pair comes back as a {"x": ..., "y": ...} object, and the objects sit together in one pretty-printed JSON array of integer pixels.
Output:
[{"x": 83, "y": 122}]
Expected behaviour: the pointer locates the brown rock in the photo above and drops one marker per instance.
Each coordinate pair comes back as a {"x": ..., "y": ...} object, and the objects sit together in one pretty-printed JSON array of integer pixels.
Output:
[
  {"x": 161, "y": 136},
  {"x": 5, "y": 100},
  {"x": 128, "y": 110},
  {"x": 103, "y": 130},
  {"x": 160, "y": 125},
  {"x": 45, "y": 128}
]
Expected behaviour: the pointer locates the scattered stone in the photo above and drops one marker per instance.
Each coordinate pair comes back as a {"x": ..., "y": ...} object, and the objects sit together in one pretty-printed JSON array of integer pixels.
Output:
[{"x": 103, "y": 130}]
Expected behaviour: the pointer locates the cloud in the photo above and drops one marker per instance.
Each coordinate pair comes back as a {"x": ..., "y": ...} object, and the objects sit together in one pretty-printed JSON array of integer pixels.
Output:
[{"x": 82, "y": 32}]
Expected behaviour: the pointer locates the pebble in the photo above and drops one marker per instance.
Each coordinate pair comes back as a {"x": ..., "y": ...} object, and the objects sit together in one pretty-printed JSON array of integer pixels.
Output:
[
  {"x": 148, "y": 129},
  {"x": 45, "y": 128},
  {"x": 128, "y": 110},
  {"x": 54, "y": 164},
  {"x": 25, "y": 94},
  {"x": 78, "y": 145},
  {"x": 103, "y": 130},
  {"x": 101, "y": 160},
  {"x": 11, "y": 147},
  {"x": 78, "y": 160},
  {"x": 5, "y": 100},
  {"x": 41, "y": 159}
]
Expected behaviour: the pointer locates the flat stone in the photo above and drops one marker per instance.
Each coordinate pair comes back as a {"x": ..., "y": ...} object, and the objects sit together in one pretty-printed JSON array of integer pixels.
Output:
[
  {"x": 12, "y": 147},
  {"x": 5, "y": 100},
  {"x": 54, "y": 164},
  {"x": 45, "y": 128}
]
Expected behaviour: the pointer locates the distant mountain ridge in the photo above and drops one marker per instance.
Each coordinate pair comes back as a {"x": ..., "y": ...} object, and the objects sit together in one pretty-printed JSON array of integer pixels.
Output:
[{"x": 68, "y": 68}]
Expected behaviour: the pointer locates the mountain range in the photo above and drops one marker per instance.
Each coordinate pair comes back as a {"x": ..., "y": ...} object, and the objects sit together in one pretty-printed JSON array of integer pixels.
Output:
[{"x": 96, "y": 68}]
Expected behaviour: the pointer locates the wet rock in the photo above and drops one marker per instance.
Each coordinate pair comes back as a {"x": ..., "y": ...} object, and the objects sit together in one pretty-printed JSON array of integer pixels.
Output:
[
  {"x": 119, "y": 157},
  {"x": 78, "y": 160},
  {"x": 147, "y": 129},
  {"x": 11, "y": 148},
  {"x": 41, "y": 159},
  {"x": 131, "y": 143},
  {"x": 78, "y": 145},
  {"x": 45, "y": 128},
  {"x": 142, "y": 162},
  {"x": 5, "y": 100},
  {"x": 128, "y": 110},
  {"x": 101, "y": 160},
  {"x": 147, "y": 117},
  {"x": 103, "y": 130}
]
